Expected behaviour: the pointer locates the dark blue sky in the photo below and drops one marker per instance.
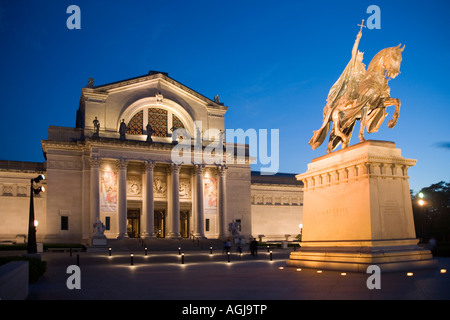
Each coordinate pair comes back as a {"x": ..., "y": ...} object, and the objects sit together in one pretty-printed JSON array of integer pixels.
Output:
[{"x": 271, "y": 62}]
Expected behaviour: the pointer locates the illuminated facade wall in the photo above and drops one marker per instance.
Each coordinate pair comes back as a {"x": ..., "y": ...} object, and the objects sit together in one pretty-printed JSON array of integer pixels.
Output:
[{"x": 131, "y": 185}]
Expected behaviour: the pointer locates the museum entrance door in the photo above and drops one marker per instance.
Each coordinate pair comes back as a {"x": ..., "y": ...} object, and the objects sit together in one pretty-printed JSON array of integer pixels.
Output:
[
  {"x": 160, "y": 223},
  {"x": 133, "y": 223},
  {"x": 184, "y": 223}
]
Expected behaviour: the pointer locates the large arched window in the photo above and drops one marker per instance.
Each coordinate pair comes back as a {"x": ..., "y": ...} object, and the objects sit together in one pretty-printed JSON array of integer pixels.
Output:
[
  {"x": 136, "y": 124},
  {"x": 176, "y": 122},
  {"x": 158, "y": 120},
  {"x": 161, "y": 120}
]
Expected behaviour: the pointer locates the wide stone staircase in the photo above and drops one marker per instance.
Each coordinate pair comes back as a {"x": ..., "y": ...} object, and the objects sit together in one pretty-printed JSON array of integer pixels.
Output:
[
  {"x": 162, "y": 244},
  {"x": 161, "y": 250},
  {"x": 194, "y": 251}
]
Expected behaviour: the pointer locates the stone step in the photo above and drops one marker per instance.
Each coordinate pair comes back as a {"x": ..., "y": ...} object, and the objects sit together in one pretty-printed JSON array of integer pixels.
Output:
[{"x": 158, "y": 244}]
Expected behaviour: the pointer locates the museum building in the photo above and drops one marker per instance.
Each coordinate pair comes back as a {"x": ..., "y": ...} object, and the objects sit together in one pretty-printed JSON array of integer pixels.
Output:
[{"x": 120, "y": 165}]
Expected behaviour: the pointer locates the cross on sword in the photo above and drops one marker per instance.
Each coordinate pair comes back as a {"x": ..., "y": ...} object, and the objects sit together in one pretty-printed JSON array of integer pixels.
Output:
[{"x": 362, "y": 25}]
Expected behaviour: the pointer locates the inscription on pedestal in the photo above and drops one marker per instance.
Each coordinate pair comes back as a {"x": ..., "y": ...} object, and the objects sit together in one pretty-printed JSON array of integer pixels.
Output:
[
  {"x": 334, "y": 211},
  {"x": 391, "y": 207}
]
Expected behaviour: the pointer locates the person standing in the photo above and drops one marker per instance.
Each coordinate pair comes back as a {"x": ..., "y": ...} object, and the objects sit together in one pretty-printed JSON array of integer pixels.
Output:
[{"x": 254, "y": 247}]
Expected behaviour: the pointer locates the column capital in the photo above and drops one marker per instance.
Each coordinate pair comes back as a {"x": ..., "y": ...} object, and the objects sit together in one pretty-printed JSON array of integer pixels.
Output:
[
  {"x": 199, "y": 168},
  {"x": 94, "y": 162},
  {"x": 175, "y": 168},
  {"x": 122, "y": 163},
  {"x": 149, "y": 165},
  {"x": 222, "y": 170}
]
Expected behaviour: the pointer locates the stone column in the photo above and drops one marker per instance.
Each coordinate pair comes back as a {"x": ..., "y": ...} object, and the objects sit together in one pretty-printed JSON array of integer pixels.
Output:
[
  {"x": 148, "y": 203},
  {"x": 122, "y": 197},
  {"x": 95, "y": 190},
  {"x": 199, "y": 212},
  {"x": 175, "y": 198},
  {"x": 223, "y": 228}
]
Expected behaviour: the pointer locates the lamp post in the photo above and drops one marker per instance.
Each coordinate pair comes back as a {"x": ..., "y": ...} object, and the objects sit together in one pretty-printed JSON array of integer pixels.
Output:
[
  {"x": 32, "y": 246},
  {"x": 421, "y": 203}
]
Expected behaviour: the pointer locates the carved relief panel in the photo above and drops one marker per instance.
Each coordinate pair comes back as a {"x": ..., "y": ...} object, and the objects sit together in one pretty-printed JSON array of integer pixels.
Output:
[
  {"x": 134, "y": 186},
  {"x": 160, "y": 187},
  {"x": 185, "y": 189}
]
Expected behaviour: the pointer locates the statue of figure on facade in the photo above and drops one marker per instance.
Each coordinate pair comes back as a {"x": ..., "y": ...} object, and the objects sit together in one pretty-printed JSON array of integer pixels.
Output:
[
  {"x": 96, "y": 128},
  {"x": 99, "y": 238},
  {"x": 99, "y": 228},
  {"x": 233, "y": 227},
  {"x": 150, "y": 132},
  {"x": 123, "y": 130},
  {"x": 90, "y": 83},
  {"x": 175, "y": 134},
  {"x": 220, "y": 137},
  {"x": 360, "y": 94}
]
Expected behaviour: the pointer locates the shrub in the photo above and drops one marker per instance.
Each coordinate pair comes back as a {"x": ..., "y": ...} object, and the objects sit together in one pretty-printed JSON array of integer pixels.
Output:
[{"x": 37, "y": 267}]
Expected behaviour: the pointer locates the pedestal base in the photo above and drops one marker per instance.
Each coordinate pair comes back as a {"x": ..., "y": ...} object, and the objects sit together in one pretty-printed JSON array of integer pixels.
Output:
[
  {"x": 357, "y": 212},
  {"x": 99, "y": 244},
  {"x": 99, "y": 241},
  {"x": 389, "y": 255}
]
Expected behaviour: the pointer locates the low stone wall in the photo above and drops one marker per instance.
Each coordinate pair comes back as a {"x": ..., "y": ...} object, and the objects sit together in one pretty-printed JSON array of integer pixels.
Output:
[{"x": 14, "y": 280}]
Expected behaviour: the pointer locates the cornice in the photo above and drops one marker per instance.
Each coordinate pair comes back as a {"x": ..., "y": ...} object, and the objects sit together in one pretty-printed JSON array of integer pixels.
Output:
[
  {"x": 362, "y": 160},
  {"x": 103, "y": 91},
  {"x": 91, "y": 95}
]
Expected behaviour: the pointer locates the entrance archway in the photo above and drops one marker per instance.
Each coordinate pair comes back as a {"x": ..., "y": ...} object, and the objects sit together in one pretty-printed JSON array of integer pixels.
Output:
[
  {"x": 133, "y": 223},
  {"x": 184, "y": 223},
  {"x": 160, "y": 223}
]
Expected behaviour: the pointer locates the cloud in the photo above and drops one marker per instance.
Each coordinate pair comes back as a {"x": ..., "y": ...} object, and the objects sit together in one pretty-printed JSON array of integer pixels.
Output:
[{"x": 444, "y": 145}]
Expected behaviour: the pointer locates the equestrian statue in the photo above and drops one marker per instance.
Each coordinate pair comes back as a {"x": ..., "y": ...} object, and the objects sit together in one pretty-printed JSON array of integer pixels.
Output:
[{"x": 360, "y": 94}]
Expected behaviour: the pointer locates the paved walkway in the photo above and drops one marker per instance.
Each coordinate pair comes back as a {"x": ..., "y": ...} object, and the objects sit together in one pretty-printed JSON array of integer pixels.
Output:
[{"x": 161, "y": 276}]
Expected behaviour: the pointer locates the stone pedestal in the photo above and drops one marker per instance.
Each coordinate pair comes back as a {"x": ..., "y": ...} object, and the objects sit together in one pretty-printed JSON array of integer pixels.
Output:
[
  {"x": 99, "y": 241},
  {"x": 357, "y": 212},
  {"x": 99, "y": 244}
]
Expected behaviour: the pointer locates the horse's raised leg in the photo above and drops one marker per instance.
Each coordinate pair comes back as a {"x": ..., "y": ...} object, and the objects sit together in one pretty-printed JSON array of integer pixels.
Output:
[{"x": 396, "y": 102}]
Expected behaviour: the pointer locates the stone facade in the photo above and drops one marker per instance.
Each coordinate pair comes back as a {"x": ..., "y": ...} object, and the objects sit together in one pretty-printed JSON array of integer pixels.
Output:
[
  {"x": 277, "y": 206},
  {"x": 132, "y": 184},
  {"x": 15, "y": 179}
]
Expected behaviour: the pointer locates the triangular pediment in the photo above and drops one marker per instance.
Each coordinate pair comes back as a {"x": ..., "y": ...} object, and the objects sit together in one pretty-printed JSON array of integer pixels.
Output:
[{"x": 152, "y": 78}]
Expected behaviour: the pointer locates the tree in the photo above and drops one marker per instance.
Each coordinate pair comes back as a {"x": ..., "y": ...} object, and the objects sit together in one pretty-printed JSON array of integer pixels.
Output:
[{"x": 432, "y": 218}]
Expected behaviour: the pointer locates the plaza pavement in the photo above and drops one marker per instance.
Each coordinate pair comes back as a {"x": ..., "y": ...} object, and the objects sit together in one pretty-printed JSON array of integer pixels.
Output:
[{"x": 161, "y": 276}]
